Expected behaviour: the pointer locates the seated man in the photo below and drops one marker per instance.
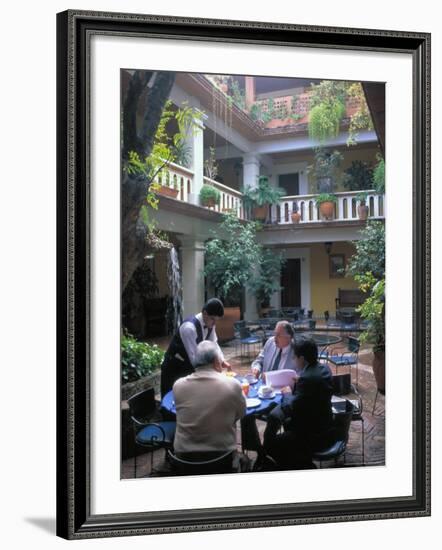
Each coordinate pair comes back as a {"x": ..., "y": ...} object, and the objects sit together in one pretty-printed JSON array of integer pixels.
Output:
[
  {"x": 208, "y": 405},
  {"x": 277, "y": 353},
  {"x": 306, "y": 414}
]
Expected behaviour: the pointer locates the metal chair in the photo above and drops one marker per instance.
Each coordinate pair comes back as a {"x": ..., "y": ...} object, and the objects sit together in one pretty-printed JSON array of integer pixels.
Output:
[
  {"x": 346, "y": 358},
  {"x": 247, "y": 339},
  {"x": 341, "y": 428},
  {"x": 201, "y": 463},
  {"x": 267, "y": 326},
  {"x": 342, "y": 386},
  {"x": 150, "y": 435}
]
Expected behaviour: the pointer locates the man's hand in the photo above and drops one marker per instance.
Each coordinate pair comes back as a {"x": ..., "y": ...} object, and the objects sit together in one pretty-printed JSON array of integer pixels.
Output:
[
  {"x": 226, "y": 365},
  {"x": 286, "y": 389},
  {"x": 256, "y": 372}
]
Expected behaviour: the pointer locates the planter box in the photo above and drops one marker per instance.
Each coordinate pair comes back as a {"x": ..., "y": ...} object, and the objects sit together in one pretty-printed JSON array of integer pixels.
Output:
[
  {"x": 167, "y": 192},
  {"x": 150, "y": 381},
  {"x": 224, "y": 326}
]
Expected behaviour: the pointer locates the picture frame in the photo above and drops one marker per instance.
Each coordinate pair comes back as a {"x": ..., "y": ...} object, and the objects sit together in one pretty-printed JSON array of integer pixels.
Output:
[
  {"x": 75, "y": 520},
  {"x": 336, "y": 266}
]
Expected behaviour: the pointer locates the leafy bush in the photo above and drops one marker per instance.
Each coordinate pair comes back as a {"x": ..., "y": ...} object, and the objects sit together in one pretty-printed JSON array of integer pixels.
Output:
[
  {"x": 326, "y": 197},
  {"x": 379, "y": 176},
  {"x": 209, "y": 193},
  {"x": 325, "y": 119},
  {"x": 138, "y": 359},
  {"x": 263, "y": 194},
  {"x": 358, "y": 176}
]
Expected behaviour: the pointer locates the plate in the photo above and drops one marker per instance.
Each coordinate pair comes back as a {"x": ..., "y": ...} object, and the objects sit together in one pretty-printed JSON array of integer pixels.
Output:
[
  {"x": 251, "y": 379},
  {"x": 252, "y": 402},
  {"x": 269, "y": 396}
]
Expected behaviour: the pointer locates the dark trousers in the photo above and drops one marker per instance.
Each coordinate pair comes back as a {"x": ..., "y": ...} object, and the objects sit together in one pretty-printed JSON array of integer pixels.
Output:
[{"x": 173, "y": 368}]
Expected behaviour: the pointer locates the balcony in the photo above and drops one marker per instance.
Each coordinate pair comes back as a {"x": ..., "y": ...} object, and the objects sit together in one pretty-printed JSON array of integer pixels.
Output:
[{"x": 346, "y": 209}]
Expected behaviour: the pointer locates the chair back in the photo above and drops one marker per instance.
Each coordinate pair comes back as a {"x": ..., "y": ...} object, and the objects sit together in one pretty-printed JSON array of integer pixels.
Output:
[
  {"x": 341, "y": 384},
  {"x": 326, "y": 315},
  {"x": 281, "y": 378},
  {"x": 342, "y": 421},
  {"x": 199, "y": 463},
  {"x": 353, "y": 344},
  {"x": 237, "y": 326},
  {"x": 142, "y": 405}
]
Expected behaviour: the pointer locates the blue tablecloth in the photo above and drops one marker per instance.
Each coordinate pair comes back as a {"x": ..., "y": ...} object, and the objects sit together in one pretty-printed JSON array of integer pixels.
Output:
[{"x": 168, "y": 402}]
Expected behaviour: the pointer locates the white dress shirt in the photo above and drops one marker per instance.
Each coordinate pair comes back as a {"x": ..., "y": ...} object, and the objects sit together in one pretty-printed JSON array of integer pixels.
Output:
[{"x": 188, "y": 336}]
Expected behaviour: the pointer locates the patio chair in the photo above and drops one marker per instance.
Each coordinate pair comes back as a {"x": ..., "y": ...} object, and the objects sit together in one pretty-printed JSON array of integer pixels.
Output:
[
  {"x": 342, "y": 386},
  {"x": 344, "y": 359},
  {"x": 237, "y": 326},
  {"x": 201, "y": 463},
  {"x": 267, "y": 326},
  {"x": 341, "y": 428},
  {"x": 150, "y": 435},
  {"x": 247, "y": 339}
]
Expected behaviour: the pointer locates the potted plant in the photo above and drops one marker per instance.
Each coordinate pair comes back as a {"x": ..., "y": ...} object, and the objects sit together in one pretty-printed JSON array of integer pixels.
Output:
[
  {"x": 211, "y": 165},
  {"x": 326, "y": 203},
  {"x": 260, "y": 198},
  {"x": 358, "y": 176},
  {"x": 362, "y": 206},
  {"x": 326, "y": 168},
  {"x": 296, "y": 216},
  {"x": 209, "y": 196}
]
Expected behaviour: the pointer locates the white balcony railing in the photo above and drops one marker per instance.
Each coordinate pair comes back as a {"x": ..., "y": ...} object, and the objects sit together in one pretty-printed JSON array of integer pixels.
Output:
[
  {"x": 345, "y": 208},
  {"x": 231, "y": 199},
  {"x": 177, "y": 177}
]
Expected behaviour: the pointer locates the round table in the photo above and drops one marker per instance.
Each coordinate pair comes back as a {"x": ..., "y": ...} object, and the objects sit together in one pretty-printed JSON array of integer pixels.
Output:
[
  {"x": 320, "y": 339},
  {"x": 168, "y": 402}
]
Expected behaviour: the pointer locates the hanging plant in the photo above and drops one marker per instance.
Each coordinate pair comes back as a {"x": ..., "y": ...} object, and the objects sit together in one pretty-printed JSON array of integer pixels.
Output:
[{"x": 325, "y": 120}]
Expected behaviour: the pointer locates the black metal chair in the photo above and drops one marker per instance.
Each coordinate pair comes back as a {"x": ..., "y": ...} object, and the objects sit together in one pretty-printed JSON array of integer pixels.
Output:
[
  {"x": 267, "y": 327},
  {"x": 342, "y": 386},
  {"x": 201, "y": 463},
  {"x": 348, "y": 358},
  {"x": 147, "y": 434},
  {"x": 341, "y": 428}
]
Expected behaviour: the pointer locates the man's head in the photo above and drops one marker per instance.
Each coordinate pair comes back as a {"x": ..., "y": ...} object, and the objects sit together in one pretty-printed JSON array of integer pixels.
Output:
[
  {"x": 213, "y": 309},
  {"x": 306, "y": 353},
  {"x": 283, "y": 334},
  {"x": 207, "y": 353}
]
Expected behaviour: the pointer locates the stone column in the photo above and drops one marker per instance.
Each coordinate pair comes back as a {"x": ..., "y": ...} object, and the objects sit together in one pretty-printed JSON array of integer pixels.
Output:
[
  {"x": 195, "y": 140},
  {"x": 192, "y": 266},
  {"x": 251, "y": 170}
]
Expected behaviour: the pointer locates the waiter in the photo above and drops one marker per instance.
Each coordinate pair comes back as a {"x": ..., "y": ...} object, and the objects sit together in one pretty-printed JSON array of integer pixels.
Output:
[{"x": 180, "y": 356}]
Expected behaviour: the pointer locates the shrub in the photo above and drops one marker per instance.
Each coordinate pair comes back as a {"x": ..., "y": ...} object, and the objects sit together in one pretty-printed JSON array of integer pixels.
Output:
[
  {"x": 138, "y": 359},
  {"x": 379, "y": 176},
  {"x": 209, "y": 193},
  {"x": 326, "y": 197}
]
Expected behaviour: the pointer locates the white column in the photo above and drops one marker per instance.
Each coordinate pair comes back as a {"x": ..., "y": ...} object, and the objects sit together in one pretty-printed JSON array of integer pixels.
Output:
[
  {"x": 195, "y": 140},
  {"x": 251, "y": 170},
  {"x": 192, "y": 260}
]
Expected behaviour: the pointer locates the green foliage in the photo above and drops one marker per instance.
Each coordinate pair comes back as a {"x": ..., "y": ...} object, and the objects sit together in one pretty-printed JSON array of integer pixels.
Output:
[
  {"x": 367, "y": 266},
  {"x": 138, "y": 359},
  {"x": 211, "y": 165},
  {"x": 256, "y": 111},
  {"x": 326, "y": 164},
  {"x": 166, "y": 149},
  {"x": 358, "y": 176},
  {"x": 373, "y": 310},
  {"x": 237, "y": 261},
  {"x": 370, "y": 251},
  {"x": 379, "y": 175},
  {"x": 209, "y": 193},
  {"x": 237, "y": 94},
  {"x": 325, "y": 119},
  {"x": 263, "y": 194},
  {"x": 325, "y": 197},
  {"x": 362, "y": 197}
]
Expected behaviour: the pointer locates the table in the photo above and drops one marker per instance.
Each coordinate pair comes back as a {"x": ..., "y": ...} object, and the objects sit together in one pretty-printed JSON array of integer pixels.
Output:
[{"x": 168, "y": 402}]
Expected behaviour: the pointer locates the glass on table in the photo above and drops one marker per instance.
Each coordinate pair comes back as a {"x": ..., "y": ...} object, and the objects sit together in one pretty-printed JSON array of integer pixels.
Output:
[{"x": 245, "y": 386}]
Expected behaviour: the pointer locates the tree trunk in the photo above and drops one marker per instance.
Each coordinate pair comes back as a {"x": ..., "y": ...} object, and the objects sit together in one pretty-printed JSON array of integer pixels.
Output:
[{"x": 134, "y": 189}]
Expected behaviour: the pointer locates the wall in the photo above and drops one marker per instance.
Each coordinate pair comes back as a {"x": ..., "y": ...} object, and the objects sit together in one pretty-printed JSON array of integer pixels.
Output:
[
  {"x": 28, "y": 463},
  {"x": 324, "y": 289}
]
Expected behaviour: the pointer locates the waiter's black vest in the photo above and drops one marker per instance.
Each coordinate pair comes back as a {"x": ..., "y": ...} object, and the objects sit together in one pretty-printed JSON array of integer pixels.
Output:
[{"x": 176, "y": 345}]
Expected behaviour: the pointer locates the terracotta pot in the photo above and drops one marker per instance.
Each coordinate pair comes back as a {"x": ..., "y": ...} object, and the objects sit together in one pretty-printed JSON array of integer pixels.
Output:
[
  {"x": 260, "y": 212},
  {"x": 296, "y": 217},
  {"x": 327, "y": 210},
  {"x": 379, "y": 369},
  {"x": 363, "y": 211},
  {"x": 168, "y": 191},
  {"x": 224, "y": 326}
]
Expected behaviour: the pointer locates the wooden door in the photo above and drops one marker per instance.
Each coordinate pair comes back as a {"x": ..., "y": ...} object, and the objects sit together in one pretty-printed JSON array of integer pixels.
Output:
[{"x": 291, "y": 283}]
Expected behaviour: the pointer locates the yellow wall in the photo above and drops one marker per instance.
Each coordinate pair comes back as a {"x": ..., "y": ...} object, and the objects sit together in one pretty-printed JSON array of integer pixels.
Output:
[{"x": 324, "y": 290}]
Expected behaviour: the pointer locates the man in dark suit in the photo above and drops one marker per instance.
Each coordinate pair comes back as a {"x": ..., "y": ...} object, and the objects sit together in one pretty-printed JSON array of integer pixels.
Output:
[{"x": 306, "y": 414}]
